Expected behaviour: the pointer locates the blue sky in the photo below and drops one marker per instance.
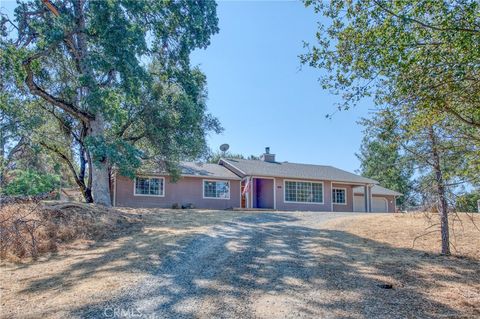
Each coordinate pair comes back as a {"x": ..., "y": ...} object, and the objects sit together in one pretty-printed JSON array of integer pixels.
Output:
[
  {"x": 261, "y": 93},
  {"x": 264, "y": 97}
]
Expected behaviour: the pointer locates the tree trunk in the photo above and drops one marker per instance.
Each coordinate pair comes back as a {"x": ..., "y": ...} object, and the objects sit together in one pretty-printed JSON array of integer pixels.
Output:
[
  {"x": 86, "y": 190},
  {"x": 87, "y": 195},
  {"x": 443, "y": 205},
  {"x": 100, "y": 175}
]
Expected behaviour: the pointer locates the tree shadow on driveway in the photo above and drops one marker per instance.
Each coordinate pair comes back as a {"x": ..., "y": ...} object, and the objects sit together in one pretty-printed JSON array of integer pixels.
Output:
[{"x": 267, "y": 266}]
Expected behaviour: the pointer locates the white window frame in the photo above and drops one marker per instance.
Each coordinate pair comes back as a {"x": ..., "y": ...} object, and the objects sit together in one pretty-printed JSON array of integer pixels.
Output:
[
  {"x": 303, "y": 181},
  {"x": 216, "y": 180},
  {"x": 162, "y": 194},
  {"x": 339, "y": 188}
]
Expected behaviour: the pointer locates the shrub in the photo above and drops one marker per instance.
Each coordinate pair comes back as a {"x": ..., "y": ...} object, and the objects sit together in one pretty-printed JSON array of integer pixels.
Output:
[
  {"x": 30, "y": 182},
  {"x": 468, "y": 202},
  {"x": 28, "y": 230}
]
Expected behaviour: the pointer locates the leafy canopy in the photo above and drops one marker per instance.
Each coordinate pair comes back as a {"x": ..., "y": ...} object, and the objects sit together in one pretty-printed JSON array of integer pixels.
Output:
[
  {"x": 382, "y": 157},
  {"x": 115, "y": 75},
  {"x": 425, "y": 52}
]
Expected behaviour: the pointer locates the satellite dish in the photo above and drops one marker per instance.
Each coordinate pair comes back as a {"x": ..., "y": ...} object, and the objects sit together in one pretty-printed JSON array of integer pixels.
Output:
[{"x": 224, "y": 148}]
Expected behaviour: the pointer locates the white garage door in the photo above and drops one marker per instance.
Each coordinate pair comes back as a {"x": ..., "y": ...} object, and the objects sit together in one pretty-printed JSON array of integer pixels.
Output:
[
  {"x": 358, "y": 204},
  {"x": 379, "y": 205}
]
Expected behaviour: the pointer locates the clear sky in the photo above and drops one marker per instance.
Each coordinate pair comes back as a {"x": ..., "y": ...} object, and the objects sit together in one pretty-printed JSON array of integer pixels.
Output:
[
  {"x": 261, "y": 93},
  {"x": 264, "y": 97}
]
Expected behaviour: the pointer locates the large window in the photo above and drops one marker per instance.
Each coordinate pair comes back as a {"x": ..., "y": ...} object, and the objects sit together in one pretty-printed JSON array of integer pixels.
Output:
[
  {"x": 338, "y": 196},
  {"x": 303, "y": 192},
  {"x": 216, "y": 189},
  {"x": 149, "y": 186}
]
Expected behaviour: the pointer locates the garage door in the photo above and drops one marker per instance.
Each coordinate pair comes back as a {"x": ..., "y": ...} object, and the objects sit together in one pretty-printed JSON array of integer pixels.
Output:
[{"x": 379, "y": 205}]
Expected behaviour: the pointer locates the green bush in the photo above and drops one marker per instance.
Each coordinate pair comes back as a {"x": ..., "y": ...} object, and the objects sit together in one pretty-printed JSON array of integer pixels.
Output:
[
  {"x": 468, "y": 202},
  {"x": 30, "y": 182}
]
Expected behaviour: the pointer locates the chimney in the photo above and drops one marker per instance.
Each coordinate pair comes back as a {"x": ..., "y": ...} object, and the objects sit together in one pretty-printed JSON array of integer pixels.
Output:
[{"x": 267, "y": 157}]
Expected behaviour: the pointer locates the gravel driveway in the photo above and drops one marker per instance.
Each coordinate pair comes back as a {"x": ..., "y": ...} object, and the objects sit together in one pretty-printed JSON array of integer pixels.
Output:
[{"x": 265, "y": 265}]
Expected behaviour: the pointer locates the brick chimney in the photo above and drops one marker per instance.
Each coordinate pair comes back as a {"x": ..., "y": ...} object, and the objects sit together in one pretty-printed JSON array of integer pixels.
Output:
[{"x": 267, "y": 157}]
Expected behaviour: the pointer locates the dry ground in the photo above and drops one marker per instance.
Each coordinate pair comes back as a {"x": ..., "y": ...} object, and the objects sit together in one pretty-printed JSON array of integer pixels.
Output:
[
  {"x": 416, "y": 230},
  {"x": 396, "y": 238},
  {"x": 247, "y": 264},
  {"x": 87, "y": 272}
]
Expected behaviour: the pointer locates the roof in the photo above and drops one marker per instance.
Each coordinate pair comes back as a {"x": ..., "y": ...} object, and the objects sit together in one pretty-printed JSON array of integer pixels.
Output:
[
  {"x": 378, "y": 190},
  {"x": 295, "y": 170},
  {"x": 206, "y": 170}
]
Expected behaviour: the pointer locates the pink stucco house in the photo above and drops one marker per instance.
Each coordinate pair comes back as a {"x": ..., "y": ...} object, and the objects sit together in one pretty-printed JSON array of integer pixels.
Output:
[{"x": 256, "y": 184}]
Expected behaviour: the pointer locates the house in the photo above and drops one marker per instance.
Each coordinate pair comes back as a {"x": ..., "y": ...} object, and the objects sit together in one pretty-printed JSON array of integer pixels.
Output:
[{"x": 256, "y": 184}]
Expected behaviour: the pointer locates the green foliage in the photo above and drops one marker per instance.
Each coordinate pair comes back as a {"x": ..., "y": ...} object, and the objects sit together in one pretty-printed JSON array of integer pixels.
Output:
[
  {"x": 125, "y": 156},
  {"x": 468, "y": 202},
  {"x": 426, "y": 51},
  {"x": 381, "y": 157},
  {"x": 30, "y": 182},
  {"x": 214, "y": 157},
  {"x": 418, "y": 59},
  {"x": 112, "y": 81}
]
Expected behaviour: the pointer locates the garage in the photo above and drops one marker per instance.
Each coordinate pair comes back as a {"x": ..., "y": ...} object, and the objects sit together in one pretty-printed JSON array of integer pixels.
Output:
[
  {"x": 379, "y": 205},
  {"x": 383, "y": 199}
]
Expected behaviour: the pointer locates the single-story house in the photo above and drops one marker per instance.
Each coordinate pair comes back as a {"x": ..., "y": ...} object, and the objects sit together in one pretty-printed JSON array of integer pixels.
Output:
[{"x": 256, "y": 184}]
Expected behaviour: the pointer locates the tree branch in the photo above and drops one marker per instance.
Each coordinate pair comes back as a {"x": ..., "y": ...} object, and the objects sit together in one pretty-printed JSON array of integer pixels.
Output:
[{"x": 37, "y": 90}]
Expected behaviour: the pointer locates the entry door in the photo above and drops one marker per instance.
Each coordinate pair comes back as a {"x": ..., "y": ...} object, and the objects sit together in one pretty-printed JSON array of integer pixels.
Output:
[{"x": 264, "y": 193}]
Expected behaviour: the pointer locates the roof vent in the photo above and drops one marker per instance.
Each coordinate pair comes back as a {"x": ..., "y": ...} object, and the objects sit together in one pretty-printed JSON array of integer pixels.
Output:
[{"x": 267, "y": 157}]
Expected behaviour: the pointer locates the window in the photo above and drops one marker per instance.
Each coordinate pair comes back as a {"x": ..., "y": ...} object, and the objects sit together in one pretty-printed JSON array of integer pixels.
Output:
[
  {"x": 149, "y": 186},
  {"x": 338, "y": 196},
  {"x": 304, "y": 192},
  {"x": 216, "y": 189}
]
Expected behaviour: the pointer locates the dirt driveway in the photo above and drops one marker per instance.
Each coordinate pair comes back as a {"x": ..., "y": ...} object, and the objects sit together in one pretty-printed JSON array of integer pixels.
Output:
[
  {"x": 276, "y": 265},
  {"x": 243, "y": 265}
]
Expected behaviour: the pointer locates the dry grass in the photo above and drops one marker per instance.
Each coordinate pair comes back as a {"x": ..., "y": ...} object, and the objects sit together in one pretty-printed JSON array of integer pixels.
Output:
[
  {"x": 416, "y": 230},
  {"x": 88, "y": 271},
  {"x": 371, "y": 249},
  {"x": 412, "y": 259},
  {"x": 31, "y": 229}
]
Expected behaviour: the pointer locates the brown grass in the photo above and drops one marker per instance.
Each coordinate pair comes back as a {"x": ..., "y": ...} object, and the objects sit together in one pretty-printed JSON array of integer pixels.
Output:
[
  {"x": 85, "y": 272},
  {"x": 406, "y": 249},
  {"x": 31, "y": 229},
  {"x": 416, "y": 230}
]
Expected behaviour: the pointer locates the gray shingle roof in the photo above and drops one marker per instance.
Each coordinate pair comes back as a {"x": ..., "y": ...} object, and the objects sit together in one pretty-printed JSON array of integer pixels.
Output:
[
  {"x": 206, "y": 170},
  {"x": 378, "y": 190},
  {"x": 296, "y": 170}
]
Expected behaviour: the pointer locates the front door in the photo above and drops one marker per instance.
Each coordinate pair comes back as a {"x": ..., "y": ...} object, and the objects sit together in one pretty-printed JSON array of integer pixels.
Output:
[{"x": 264, "y": 196}]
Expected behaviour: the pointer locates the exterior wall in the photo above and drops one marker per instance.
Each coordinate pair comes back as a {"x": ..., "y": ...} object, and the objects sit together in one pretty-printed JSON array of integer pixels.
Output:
[
  {"x": 282, "y": 205},
  {"x": 186, "y": 190},
  {"x": 348, "y": 206}
]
